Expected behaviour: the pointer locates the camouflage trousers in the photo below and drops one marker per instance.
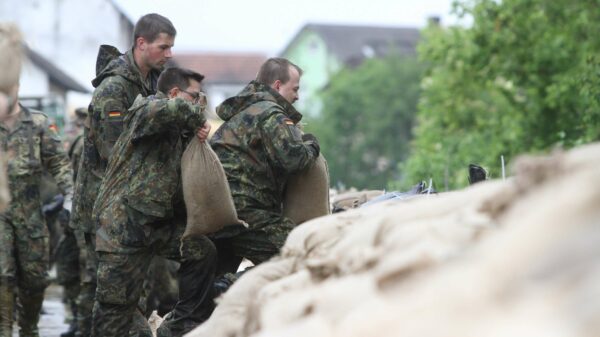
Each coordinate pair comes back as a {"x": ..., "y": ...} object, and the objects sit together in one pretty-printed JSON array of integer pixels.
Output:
[
  {"x": 88, "y": 267},
  {"x": 67, "y": 271},
  {"x": 121, "y": 274},
  {"x": 67, "y": 268},
  {"x": 24, "y": 256},
  {"x": 259, "y": 243}
]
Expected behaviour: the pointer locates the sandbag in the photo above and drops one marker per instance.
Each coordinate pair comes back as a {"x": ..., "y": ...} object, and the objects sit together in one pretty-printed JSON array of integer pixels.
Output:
[
  {"x": 307, "y": 193},
  {"x": 206, "y": 191},
  {"x": 229, "y": 317},
  {"x": 349, "y": 200},
  {"x": 11, "y": 54}
]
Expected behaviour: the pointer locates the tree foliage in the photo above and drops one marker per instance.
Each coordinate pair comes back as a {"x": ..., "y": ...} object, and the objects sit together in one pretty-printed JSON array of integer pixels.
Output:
[
  {"x": 525, "y": 77},
  {"x": 365, "y": 127}
]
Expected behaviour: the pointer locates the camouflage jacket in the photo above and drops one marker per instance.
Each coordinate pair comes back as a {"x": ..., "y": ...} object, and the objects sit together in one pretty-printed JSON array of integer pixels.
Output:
[
  {"x": 32, "y": 147},
  {"x": 118, "y": 83},
  {"x": 144, "y": 171},
  {"x": 259, "y": 146}
]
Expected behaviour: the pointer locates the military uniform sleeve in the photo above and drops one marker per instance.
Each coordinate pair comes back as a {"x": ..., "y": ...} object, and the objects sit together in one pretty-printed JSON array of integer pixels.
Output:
[
  {"x": 55, "y": 158},
  {"x": 162, "y": 114},
  {"x": 109, "y": 106},
  {"x": 284, "y": 145}
]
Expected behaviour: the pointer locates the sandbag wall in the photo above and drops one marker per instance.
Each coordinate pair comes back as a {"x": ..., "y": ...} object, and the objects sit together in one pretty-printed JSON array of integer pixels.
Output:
[{"x": 502, "y": 258}]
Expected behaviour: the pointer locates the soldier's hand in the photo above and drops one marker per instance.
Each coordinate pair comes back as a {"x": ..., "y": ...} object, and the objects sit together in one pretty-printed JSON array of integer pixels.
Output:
[
  {"x": 202, "y": 133},
  {"x": 312, "y": 141},
  {"x": 53, "y": 206}
]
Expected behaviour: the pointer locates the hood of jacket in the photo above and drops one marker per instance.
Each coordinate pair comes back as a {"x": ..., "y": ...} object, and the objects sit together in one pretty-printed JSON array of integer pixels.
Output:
[
  {"x": 111, "y": 62},
  {"x": 255, "y": 92}
]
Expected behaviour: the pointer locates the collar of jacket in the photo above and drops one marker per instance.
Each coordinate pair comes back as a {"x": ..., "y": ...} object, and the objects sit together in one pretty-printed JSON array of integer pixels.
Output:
[{"x": 256, "y": 92}]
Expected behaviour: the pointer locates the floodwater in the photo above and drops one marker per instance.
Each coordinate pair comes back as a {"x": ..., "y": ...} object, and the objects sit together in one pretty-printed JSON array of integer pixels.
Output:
[{"x": 52, "y": 321}]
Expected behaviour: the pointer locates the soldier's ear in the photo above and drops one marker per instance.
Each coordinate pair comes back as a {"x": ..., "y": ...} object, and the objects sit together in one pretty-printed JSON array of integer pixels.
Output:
[
  {"x": 276, "y": 85},
  {"x": 140, "y": 43},
  {"x": 173, "y": 92}
]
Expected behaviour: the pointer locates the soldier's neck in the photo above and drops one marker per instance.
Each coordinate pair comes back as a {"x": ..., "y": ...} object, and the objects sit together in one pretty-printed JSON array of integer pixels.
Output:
[{"x": 144, "y": 70}]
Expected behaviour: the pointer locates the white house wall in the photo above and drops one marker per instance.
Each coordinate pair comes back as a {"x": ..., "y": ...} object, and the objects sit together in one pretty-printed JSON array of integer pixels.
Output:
[
  {"x": 69, "y": 32},
  {"x": 34, "y": 81}
]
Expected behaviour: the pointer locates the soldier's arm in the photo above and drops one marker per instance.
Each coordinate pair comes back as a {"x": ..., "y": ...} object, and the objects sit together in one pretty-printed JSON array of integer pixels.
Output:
[
  {"x": 109, "y": 106},
  {"x": 283, "y": 142},
  {"x": 55, "y": 158},
  {"x": 162, "y": 114}
]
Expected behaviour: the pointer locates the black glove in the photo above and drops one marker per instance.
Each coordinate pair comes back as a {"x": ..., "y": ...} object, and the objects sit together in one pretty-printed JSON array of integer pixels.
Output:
[
  {"x": 312, "y": 141},
  {"x": 53, "y": 206}
]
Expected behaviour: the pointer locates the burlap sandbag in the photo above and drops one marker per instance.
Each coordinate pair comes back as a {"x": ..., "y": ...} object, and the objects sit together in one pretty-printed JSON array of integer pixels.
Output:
[
  {"x": 307, "y": 193},
  {"x": 206, "y": 192},
  {"x": 11, "y": 53},
  {"x": 229, "y": 317},
  {"x": 349, "y": 200}
]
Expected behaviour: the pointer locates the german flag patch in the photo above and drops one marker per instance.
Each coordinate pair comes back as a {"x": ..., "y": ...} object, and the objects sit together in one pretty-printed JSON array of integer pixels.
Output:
[{"x": 114, "y": 114}]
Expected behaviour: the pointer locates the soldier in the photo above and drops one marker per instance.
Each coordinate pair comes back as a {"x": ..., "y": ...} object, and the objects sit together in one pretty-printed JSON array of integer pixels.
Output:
[
  {"x": 32, "y": 145},
  {"x": 120, "y": 79},
  {"x": 67, "y": 252},
  {"x": 140, "y": 210},
  {"x": 259, "y": 146}
]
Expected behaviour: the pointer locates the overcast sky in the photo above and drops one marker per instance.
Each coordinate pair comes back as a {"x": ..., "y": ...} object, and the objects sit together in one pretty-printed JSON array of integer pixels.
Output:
[{"x": 266, "y": 26}]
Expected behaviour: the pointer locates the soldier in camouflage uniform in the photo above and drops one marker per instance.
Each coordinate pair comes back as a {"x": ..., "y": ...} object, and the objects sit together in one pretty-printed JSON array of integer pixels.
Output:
[
  {"x": 32, "y": 145},
  {"x": 140, "y": 210},
  {"x": 260, "y": 146},
  {"x": 67, "y": 252},
  {"x": 120, "y": 79}
]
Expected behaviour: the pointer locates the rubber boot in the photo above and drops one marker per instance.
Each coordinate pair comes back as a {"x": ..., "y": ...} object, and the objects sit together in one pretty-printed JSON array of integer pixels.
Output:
[
  {"x": 29, "y": 314},
  {"x": 7, "y": 306}
]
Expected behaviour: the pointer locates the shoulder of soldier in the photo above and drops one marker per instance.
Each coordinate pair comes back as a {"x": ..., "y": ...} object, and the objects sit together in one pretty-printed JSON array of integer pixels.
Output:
[
  {"x": 110, "y": 85},
  {"x": 38, "y": 117},
  {"x": 263, "y": 110}
]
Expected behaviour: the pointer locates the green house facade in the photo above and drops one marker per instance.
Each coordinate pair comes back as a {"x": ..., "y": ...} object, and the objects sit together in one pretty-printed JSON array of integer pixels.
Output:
[{"x": 323, "y": 50}]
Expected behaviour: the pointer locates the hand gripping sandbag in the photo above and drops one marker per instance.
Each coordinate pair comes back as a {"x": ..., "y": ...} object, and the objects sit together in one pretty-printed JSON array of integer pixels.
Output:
[
  {"x": 307, "y": 193},
  {"x": 205, "y": 190}
]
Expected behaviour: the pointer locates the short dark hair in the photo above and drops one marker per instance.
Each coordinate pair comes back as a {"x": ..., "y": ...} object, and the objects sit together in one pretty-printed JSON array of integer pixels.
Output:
[
  {"x": 275, "y": 68},
  {"x": 177, "y": 77},
  {"x": 151, "y": 25}
]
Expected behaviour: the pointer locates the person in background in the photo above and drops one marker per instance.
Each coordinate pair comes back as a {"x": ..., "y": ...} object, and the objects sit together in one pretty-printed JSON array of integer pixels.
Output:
[
  {"x": 67, "y": 252},
  {"x": 32, "y": 145}
]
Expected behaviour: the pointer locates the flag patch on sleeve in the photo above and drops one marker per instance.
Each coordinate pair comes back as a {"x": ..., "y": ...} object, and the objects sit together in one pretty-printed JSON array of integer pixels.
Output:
[{"x": 114, "y": 114}]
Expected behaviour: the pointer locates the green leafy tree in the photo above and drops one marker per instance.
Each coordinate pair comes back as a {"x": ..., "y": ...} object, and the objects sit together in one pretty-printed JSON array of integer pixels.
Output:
[
  {"x": 365, "y": 127},
  {"x": 523, "y": 78}
]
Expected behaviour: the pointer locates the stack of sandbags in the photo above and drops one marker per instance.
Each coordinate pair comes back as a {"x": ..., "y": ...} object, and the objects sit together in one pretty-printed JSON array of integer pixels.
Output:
[{"x": 518, "y": 258}]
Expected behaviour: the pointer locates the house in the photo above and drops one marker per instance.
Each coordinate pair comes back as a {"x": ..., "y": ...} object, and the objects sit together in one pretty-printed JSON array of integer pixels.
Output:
[
  {"x": 68, "y": 33},
  {"x": 321, "y": 50},
  {"x": 225, "y": 74},
  {"x": 43, "y": 86}
]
